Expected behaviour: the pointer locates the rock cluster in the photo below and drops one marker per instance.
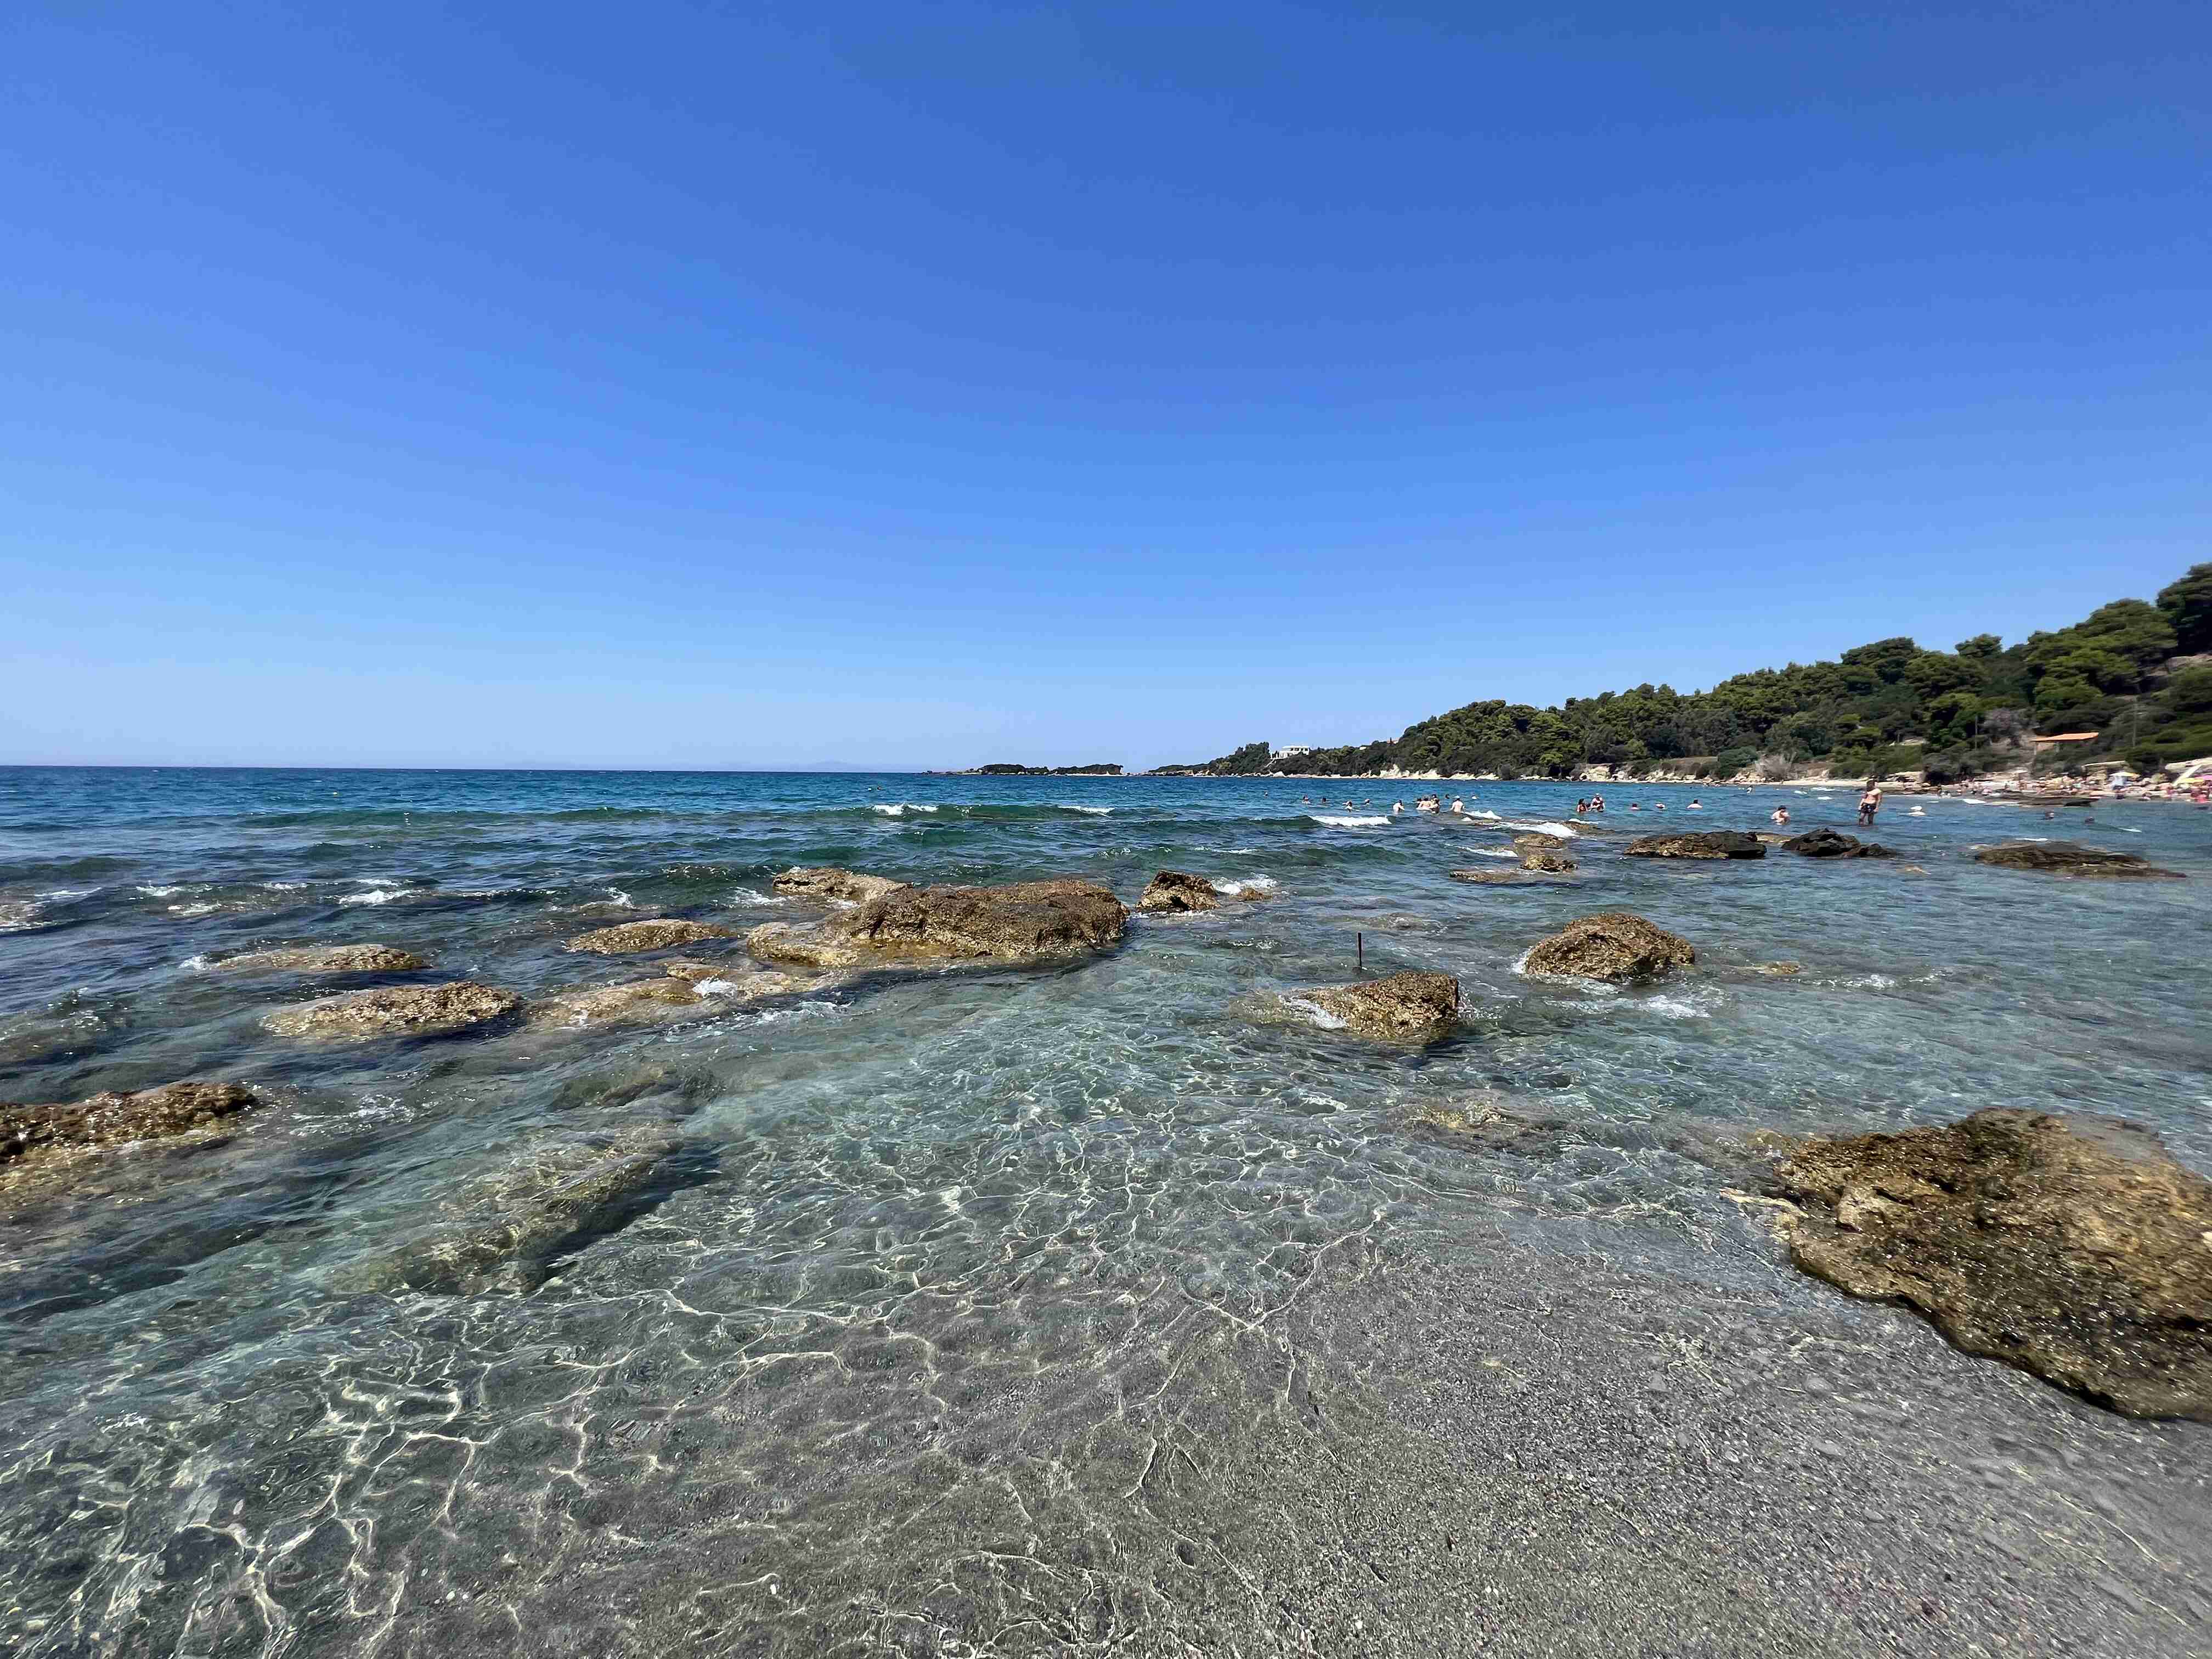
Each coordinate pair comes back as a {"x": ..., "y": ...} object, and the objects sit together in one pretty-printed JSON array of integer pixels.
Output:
[
  {"x": 1833, "y": 844},
  {"x": 395, "y": 1011},
  {"x": 1415, "y": 1006},
  {"x": 1610, "y": 945},
  {"x": 1024, "y": 922},
  {"x": 658, "y": 934},
  {"x": 829, "y": 883},
  {"x": 325, "y": 959},
  {"x": 1697, "y": 844},
  {"x": 2075, "y": 1248},
  {"x": 2067, "y": 858},
  {"x": 29, "y": 1133}
]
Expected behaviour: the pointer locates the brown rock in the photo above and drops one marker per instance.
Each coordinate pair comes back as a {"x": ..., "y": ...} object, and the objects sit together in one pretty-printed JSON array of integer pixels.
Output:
[
  {"x": 658, "y": 934},
  {"x": 644, "y": 1000},
  {"x": 2067, "y": 858},
  {"x": 1413, "y": 1005},
  {"x": 2075, "y": 1247},
  {"x": 1491, "y": 877},
  {"x": 395, "y": 1011},
  {"x": 1546, "y": 862},
  {"x": 1538, "y": 840},
  {"x": 1171, "y": 890},
  {"x": 1612, "y": 946},
  {"x": 33, "y": 1134},
  {"x": 1697, "y": 844},
  {"x": 828, "y": 883},
  {"x": 325, "y": 959},
  {"x": 1776, "y": 970},
  {"x": 1024, "y": 922},
  {"x": 1834, "y": 844}
]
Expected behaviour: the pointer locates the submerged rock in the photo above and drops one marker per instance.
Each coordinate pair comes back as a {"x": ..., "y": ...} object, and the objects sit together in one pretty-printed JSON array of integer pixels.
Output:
[
  {"x": 34, "y": 1135},
  {"x": 1024, "y": 921},
  {"x": 400, "y": 1010},
  {"x": 688, "y": 987},
  {"x": 1538, "y": 840},
  {"x": 1697, "y": 844},
  {"x": 1774, "y": 969},
  {"x": 1610, "y": 945},
  {"x": 2075, "y": 1248},
  {"x": 1545, "y": 861},
  {"x": 325, "y": 959},
  {"x": 1492, "y": 876},
  {"x": 1171, "y": 890},
  {"x": 1481, "y": 1122},
  {"x": 507, "y": 1229},
  {"x": 658, "y": 934},
  {"x": 1833, "y": 844},
  {"x": 2067, "y": 858},
  {"x": 1415, "y": 1004},
  {"x": 826, "y": 882}
]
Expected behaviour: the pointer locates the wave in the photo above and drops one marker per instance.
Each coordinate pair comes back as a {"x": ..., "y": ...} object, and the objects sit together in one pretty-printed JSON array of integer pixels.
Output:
[
  {"x": 172, "y": 891},
  {"x": 1095, "y": 811},
  {"x": 382, "y": 895},
  {"x": 1493, "y": 852},
  {"x": 754, "y": 895},
  {"x": 1248, "y": 884},
  {"x": 899, "y": 809},
  {"x": 1378, "y": 820},
  {"x": 1544, "y": 827}
]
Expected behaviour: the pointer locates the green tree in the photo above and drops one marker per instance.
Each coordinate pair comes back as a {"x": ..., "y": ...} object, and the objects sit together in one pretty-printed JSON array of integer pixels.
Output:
[
  {"x": 2190, "y": 692},
  {"x": 2186, "y": 604},
  {"x": 2063, "y": 691},
  {"x": 1981, "y": 648}
]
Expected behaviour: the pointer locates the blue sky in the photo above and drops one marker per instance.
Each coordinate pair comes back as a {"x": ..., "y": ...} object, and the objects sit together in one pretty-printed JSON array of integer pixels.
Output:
[{"x": 688, "y": 385}]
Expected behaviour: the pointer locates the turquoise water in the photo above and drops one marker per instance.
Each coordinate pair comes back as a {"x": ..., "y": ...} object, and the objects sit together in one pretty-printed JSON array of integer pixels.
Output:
[{"x": 880, "y": 1211}]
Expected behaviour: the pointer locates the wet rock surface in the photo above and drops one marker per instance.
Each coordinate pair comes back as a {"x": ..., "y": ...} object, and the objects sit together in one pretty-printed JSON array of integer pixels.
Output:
[
  {"x": 1538, "y": 840},
  {"x": 1416, "y": 1004},
  {"x": 1174, "y": 890},
  {"x": 1547, "y": 861},
  {"x": 1024, "y": 922},
  {"x": 325, "y": 959},
  {"x": 1612, "y": 944},
  {"x": 834, "y": 885},
  {"x": 660, "y": 933},
  {"x": 1776, "y": 970},
  {"x": 1484, "y": 1122},
  {"x": 1834, "y": 844},
  {"x": 33, "y": 1134},
  {"x": 2067, "y": 858},
  {"x": 395, "y": 1011},
  {"x": 1697, "y": 844},
  {"x": 1494, "y": 876},
  {"x": 2075, "y": 1248},
  {"x": 505, "y": 1232}
]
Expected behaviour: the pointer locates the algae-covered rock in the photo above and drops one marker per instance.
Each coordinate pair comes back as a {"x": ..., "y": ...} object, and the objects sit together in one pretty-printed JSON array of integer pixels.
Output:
[
  {"x": 659, "y": 933},
  {"x": 1834, "y": 844},
  {"x": 1024, "y": 922},
  {"x": 1172, "y": 890},
  {"x": 2067, "y": 858},
  {"x": 826, "y": 883},
  {"x": 395, "y": 1011},
  {"x": 1547, "y": 861},
  {"x": 33, "y": 1134},
  {"x": 1697, "y": 844},
  {"x": 1414, "y": 1006},
  {"x": 325, "y": 959},
  {"x": 1610, "y": 945},
  {"x": 2075, "y": 1248}
]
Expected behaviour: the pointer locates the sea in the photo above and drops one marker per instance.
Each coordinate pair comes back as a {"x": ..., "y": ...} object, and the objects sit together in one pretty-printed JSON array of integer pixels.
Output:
[{"x": 963, "y": 1310}]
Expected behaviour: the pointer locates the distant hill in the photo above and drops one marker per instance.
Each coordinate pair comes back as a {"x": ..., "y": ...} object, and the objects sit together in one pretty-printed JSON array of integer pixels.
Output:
[{"x": 2137, "y": 673}]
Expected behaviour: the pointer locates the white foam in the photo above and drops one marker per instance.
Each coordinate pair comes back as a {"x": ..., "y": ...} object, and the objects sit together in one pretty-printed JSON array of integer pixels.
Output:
[
  {"x": 1095, "y": 811},
  {"x": 899, "y": 809},
  {"x": 1672, "y": 1007},
  {"x": 1480, "y": 812},
  {"x": 193, "y": 909},
  {"x": 1249, "y": 884},
  {"x": 618, "y": 896},
  {"x": 284, "y": 886},
  {"x": 1316, "y": 1013},
  {"x": 1493, "y": 852},
  {"x": 754, "y": 895},
  {"x": 1546, "y": 827},
  {"x": 714, "y": 988},
  {"x": 1869, "y": 983},
  {"x": 1375, "y": 822},
  {"x": 59, "y": 893},
  {"x": 198, "y": 964},
  {"x": 169, "y": 892},
  {"x": 377, "y": 896}
]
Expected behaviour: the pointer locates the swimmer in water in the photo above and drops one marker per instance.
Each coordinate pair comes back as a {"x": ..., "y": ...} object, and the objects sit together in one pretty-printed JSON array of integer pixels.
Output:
[
  {"x": 1697, "y": 806},
  {"x": 1459, "y": 805},
  {"x": 1780, "y": 815}
]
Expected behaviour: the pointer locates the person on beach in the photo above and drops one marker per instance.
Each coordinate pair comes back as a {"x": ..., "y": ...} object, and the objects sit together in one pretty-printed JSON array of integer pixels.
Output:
[{"x": 1780, "y": 815}]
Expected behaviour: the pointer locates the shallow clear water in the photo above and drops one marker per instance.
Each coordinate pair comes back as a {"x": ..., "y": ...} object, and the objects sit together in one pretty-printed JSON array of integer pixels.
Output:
[{"x": 880, "y": 1215}]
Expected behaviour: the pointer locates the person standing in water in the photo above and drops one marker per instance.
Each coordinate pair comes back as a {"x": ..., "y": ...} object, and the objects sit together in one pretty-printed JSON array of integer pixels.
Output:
[
  {"x": 1869, "y": 804},
  {"x": 1780, "y": 815}
]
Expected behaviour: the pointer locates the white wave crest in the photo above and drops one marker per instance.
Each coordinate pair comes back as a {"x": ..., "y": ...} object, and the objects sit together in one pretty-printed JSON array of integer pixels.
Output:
[
  {"x": 171, "y": 892},
  {"x": 1095, "y": 811},
  {"x": 754, "y": 895},
  {"x": 1376, "y": 821},
  {"x": 899, "y": 809},
  {"x": 377, "y": 896},
  {"x": 198, "y": 964},
  {"x": 1671, "y": 1007},
  {"x": 1546, "y": 827},
  {"x": 284, "y": 886},
  {"x": 1248, "y": 884},
  {"x": 193, "y": 909},
  {"x": 1493, "y": 852}
]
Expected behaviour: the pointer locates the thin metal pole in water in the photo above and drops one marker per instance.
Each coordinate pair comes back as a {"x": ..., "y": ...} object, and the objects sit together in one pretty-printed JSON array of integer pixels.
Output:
[{"x": 1359, "y": 944}]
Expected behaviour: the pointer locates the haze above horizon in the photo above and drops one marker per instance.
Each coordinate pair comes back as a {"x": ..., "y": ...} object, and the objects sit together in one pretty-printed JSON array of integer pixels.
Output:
[{"x": 935, "y": 385}]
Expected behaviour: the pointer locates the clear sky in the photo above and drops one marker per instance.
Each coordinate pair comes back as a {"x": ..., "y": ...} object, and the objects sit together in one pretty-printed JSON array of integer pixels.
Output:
[{"x": 919, "y": 385}]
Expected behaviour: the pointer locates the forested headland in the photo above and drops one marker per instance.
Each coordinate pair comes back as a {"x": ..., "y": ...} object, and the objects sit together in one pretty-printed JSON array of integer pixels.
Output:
[{"x": 2138, "y": 672}]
